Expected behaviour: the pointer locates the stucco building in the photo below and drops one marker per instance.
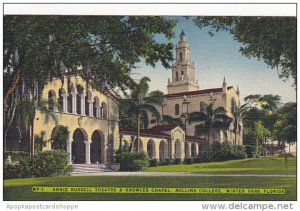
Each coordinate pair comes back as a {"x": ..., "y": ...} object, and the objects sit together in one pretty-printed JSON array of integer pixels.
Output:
[
  {"x": 184, "y": 96},
  {"x": 89, "y": 118}
]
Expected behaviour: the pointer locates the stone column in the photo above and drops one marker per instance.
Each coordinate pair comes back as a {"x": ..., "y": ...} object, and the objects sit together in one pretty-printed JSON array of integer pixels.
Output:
[
  {"x": 87, "y": 152},
  {"x": 98, "y": 111},
  {"x": 90, "y": 107},
  {"x": 74, "y": 101},
  {"x": 69, "y": 151},
  {"x": 101, "y": 112},
  {"x": 82, "y": 99},
  {"x": 197, "y": 150},
  {"x": 65, "y": 103}
]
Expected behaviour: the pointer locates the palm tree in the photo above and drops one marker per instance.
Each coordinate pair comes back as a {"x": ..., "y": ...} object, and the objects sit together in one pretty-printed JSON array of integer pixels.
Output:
[
  {"x": 173, "y": 121},
  {"x": 238, "y": 113},
  {"x": 139, "y": 104},
  {"x": 209, "y": 120},
  {"x": 27, "y": 114},
  {"x": 157, "y": 96}
]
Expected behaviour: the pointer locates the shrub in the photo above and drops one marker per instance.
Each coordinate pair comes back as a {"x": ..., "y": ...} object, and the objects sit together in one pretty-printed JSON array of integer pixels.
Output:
[
  {"x": 15, "y": 156},
  {"x": 139, "y": 165},
  {"x": 44, "y": 164},
  {"x": 188, "y": 161},
  {"x": 128, "y": 158},
  {"x": 166, "y": 161},
  {"x": 225, "y": 151},
  {"x": 51, "y": 163},
  {"x": 177, "y": 161},
  {"x": 250, "y": 150},
  {"x": 153, "y": 162},
  {"x": 196, "y": 160},
  {"x": 288, "y": 155}
]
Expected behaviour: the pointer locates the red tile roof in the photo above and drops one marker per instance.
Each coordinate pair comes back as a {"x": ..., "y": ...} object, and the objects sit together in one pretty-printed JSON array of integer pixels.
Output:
[
  {"x": 203, "y": 91},
  {"x": 163, "y": 127},
  {"x": 158, "y": 131},
  {"x": 145, "y": 132}
]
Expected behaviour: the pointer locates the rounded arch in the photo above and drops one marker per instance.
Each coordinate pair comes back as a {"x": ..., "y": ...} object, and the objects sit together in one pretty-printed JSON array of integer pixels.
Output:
[
  {"x": 13, "y": 139},
  {"x": 151, "y": 149},
  {"x": 51, "y": 99},
  {"x": 79, "y": 95},
  {"x": 96, "y": 107},
  {"x": 135, "y": 145},
  {"x": 177, "y": 148},
  {"x": 87, "y": 101},
  {"x": 59, "y": 136},
  {"x": 193, "y": 150},
  {"x": 104, "y": 110},
  {"x": 71, "y": 91},
  {"x": 97, "y": 147},
  {"x": 163, "y": 150},
  {"x": 176, "y": 109},
  {"x": 78, "y": 145}
]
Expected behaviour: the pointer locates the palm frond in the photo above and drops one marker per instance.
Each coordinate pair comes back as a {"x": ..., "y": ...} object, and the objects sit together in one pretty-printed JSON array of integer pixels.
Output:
[{"x": 197, "y": 117}]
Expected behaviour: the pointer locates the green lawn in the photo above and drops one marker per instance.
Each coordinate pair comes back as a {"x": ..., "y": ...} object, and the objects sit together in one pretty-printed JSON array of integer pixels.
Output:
[
  {"x": 20, "y": 189},
  {"x": 263, "y": 165}
]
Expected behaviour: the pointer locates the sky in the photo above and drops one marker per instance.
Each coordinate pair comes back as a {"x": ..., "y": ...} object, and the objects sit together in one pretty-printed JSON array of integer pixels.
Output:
[{"x": 218, "y": 57}]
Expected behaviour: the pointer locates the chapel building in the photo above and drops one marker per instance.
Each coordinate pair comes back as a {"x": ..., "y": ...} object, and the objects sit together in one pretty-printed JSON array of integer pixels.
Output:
[{"x": 184, "y": 96}]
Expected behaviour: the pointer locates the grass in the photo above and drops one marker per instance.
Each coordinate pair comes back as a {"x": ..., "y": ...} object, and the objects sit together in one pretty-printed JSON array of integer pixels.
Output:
[
  {"x": 263, "y": 165},
  {"x": 20, "y": 189}
]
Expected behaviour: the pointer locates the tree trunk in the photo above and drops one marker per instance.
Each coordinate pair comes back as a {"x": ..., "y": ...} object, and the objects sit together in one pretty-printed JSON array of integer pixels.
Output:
[
  {"x": 138, "y": 130},
  {"x": 13, "y": 85},
  {"x": 256, "y": 150}
]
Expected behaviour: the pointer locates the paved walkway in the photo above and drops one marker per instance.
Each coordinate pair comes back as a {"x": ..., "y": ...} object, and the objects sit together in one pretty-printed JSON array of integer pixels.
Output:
[{"x": 180, "y": 174}]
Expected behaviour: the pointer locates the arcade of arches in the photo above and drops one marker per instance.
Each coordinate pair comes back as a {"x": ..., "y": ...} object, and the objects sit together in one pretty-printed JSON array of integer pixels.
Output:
[{"x": 170, "y": 143}]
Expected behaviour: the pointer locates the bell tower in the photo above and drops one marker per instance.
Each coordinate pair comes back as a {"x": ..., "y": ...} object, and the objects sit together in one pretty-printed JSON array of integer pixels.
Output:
[{"x": 183, "y": 71}]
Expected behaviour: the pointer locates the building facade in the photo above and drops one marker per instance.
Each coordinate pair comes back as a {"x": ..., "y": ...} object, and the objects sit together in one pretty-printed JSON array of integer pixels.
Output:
[
  {"x": 184, "y": 96},
  {"x": 88, "y": 119}
]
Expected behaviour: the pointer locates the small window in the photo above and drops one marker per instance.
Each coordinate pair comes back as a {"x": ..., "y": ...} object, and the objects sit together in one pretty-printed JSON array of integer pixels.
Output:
[
  {"x": 176, "y": 76},
  {"x": 232, "y": 104},
  {"x": 180, "y": 57},
  {"x": 177, "y": 109}
]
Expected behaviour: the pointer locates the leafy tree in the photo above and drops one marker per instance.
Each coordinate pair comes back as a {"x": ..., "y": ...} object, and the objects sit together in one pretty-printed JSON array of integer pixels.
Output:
[
  {"x": 238, "y": 113},
  {"x": 139, "y": 104},
  {"x": 263, "y": 108},
  {"x": 102, "y": 49},
  {"x": 260, "y": 132},
  {"x": 209, "y": 120},
  {"x": 272, "y": 39},
  {"x": 286, "y": 125}
]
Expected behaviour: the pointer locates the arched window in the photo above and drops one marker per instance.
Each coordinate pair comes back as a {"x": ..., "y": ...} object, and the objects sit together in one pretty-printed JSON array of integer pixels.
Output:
[
  {"x": 177, "y": 76},
  {"x": 202, "y": 106},
  {"x": 61, "y": 99},
  {"x": 232, "y": 104},
  {"x": 51, "y": 100},
  {"x": 78, "y": 99},
  {"x": 180, "y": 57},
  {"x": 88, "y": 98},
  {"x": 70, "y": 98},
  {"x": 176, "y": 109}
]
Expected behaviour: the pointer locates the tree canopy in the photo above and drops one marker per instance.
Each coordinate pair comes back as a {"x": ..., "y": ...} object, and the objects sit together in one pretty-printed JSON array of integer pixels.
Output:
[
  {"x": 102, "y": 49},
  {"x": 272, "y": 39}
]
